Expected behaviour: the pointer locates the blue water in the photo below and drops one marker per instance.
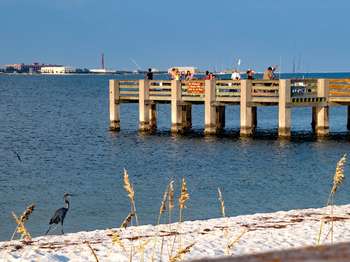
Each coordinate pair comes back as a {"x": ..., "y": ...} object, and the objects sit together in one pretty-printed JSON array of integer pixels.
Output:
[{"x": 59, "y": 127}]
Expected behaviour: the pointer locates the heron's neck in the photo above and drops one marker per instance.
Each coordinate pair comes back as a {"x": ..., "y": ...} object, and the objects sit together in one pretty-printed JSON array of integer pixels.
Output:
[{"x": 66, "y": 203}]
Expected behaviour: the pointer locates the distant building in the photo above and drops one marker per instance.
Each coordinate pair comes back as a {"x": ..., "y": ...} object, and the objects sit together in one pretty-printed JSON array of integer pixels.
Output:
[
  {"x": 26, "y": 68},
  {"x": 57, "y": 70}
]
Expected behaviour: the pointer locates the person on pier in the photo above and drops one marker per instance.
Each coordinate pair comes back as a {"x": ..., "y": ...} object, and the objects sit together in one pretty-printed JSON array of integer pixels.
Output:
[
  {"x": 209, "y": 76},
  {"x": 269, "y": 73},
  {"x": 188, "y": 75},
  {"x": 175, "y": 74},
  {"x": 250, "y": 74},
  {"x": 149, "y": 75},
  {"x": 236, "y": 75}
]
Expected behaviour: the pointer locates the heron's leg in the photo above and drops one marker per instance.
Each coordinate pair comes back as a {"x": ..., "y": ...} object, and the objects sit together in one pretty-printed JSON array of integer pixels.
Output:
[
  {"x": 62, "y": 228},
  {"x": 48, "y": 229}
]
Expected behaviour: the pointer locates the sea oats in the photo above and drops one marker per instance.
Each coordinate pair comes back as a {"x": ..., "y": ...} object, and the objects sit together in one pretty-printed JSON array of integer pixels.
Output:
[{"x": 222, "y": 202}]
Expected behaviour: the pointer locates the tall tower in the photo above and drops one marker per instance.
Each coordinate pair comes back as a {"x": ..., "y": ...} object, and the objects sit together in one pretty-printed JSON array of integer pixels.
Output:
[{"x": 103, "y": 60}]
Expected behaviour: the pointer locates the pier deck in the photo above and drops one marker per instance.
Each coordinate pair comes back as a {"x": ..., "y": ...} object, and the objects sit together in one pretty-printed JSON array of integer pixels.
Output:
[{"x": 320, "y": 94}]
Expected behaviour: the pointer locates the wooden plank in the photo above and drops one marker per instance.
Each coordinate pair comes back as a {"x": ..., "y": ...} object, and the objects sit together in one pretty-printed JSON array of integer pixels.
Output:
[
  {"x": 228, "y": 99},
  {"x": 160, "y": 93},
  {"x": 337, "y": 93},
  {"x": 268, "y": 88},
  {"x": 227, "y": 82},
  {"x": 228, "y": 87},
  {"x": 160, "y": 98},
  {"x": 264, "y": 94},
  {"x": 128, "y": 86},
  {"x": 226, "y": 94},
  {"x": 128, "y": 98},
  {"x": 344, "y": 80},
  {"x": 122, "y": 92},
  {"x": 339, "y": 86},
  {"x": 193, "y": 98},
  {"x": 265, "y": 82},
  {"x": 265, "y": 99}
]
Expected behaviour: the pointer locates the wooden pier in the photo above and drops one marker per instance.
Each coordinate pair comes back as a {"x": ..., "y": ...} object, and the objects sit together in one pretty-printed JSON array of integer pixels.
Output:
[{"x": 320, "y": 94}]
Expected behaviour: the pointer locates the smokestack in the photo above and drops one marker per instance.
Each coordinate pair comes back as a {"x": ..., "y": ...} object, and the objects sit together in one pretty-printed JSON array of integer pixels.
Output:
[{"x": 103, "y": 61}]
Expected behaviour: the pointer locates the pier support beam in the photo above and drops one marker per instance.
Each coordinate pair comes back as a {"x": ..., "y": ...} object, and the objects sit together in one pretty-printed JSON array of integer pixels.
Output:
[
  {"x": 144, "y": 106},
  {"x": 246, "y": 114},
  {"x": 254, "y": 117},
  {"x": 322, "y": 126},
  {"x": 220, "y": 118},
  {"x": 114, "y": 114},
  {"x": 153, "y": 117},
  {"x": 209, "y": 108},
  {"x": 187, "y": 117},
  {"x": 177, "y": 126},
  {"x": 314, "y": 119},
  {"x": 284, "y": 110},
  {"x": 348, "y": 118}
]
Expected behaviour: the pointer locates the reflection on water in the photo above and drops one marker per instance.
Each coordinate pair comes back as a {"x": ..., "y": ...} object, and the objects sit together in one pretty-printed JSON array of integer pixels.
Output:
[{"x": 59, "y": 126}]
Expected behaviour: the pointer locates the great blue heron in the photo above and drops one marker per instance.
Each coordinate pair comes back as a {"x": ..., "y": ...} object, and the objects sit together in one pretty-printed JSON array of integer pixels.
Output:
[{"x": 60, "y": 214}]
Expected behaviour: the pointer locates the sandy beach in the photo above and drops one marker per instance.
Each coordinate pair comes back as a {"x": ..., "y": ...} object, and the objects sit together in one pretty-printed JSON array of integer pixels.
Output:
[{"x": 214, "y": 238}]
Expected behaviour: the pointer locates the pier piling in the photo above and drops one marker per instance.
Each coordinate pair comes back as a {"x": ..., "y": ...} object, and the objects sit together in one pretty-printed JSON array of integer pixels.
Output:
[
  {"x": 176, "y": 108},
  {"x": 144, "y": 106},
  {"x": 114, "y": 114},
  {"x": 246, "y": 112},
  {"x": 210, "y": 127},
  {"x": 284, "y": 110},
  {"x": 322, "y": 125}
]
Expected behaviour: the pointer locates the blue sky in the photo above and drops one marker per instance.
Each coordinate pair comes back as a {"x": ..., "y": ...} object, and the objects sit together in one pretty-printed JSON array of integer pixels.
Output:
[{"x": 161, "y": 33}]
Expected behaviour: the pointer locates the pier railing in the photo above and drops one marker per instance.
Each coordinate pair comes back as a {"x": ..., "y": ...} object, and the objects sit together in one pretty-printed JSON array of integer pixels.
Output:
[
  {"x": 228, "y": 90},
  {"x": 339, "y": 90},
  {"x": 319, "y": 94},
  {"x": 160, "y": 90},
  {"x": 301, "y": 90},
  {"x": 128, "y": 90}
]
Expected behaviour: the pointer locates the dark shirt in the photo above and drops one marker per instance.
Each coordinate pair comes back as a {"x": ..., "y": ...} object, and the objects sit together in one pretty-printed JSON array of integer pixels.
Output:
[{"x": 149, "y": 76}]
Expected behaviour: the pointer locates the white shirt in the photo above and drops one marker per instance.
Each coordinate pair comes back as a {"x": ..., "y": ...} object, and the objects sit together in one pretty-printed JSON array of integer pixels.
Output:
[{"x": 235, "y": 76}]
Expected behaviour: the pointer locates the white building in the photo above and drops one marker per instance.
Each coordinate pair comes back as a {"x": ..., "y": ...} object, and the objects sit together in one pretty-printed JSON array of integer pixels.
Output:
[{"x": 57, "y": 70}]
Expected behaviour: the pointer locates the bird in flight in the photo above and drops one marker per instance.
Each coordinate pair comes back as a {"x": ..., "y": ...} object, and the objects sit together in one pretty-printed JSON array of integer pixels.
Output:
[{"x": 18, "y": 156}]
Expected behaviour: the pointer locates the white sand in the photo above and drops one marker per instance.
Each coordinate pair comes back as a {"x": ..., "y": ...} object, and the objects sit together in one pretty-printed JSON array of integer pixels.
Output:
[{"x": 261, "y": 233}]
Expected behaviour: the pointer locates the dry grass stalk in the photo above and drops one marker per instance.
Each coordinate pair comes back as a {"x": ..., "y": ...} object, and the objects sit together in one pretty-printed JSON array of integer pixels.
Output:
[
  {"x": 25, "y": 215},
  {"x": 116, "y": 240},
  {"x": 22, "y": 219},
  {"x": 141, "y": 249},
  {"x": 171, "y": 204},
  {"x": 184, "y": 196},
  {"x": 131, "y": 194},
  {"x": 338, "y": 179},
  {"x": 234, "y": 241},
  {"x": 339, "y": 174},
  {"x": 222, "y": 203},
  {"x": 127, "y": 220},
  {"x": 92, "y": 251},
  {"x": 181, "y": 252},
  {"x": 21, "y": 229},
  {"x": 163, "y": 204}
]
